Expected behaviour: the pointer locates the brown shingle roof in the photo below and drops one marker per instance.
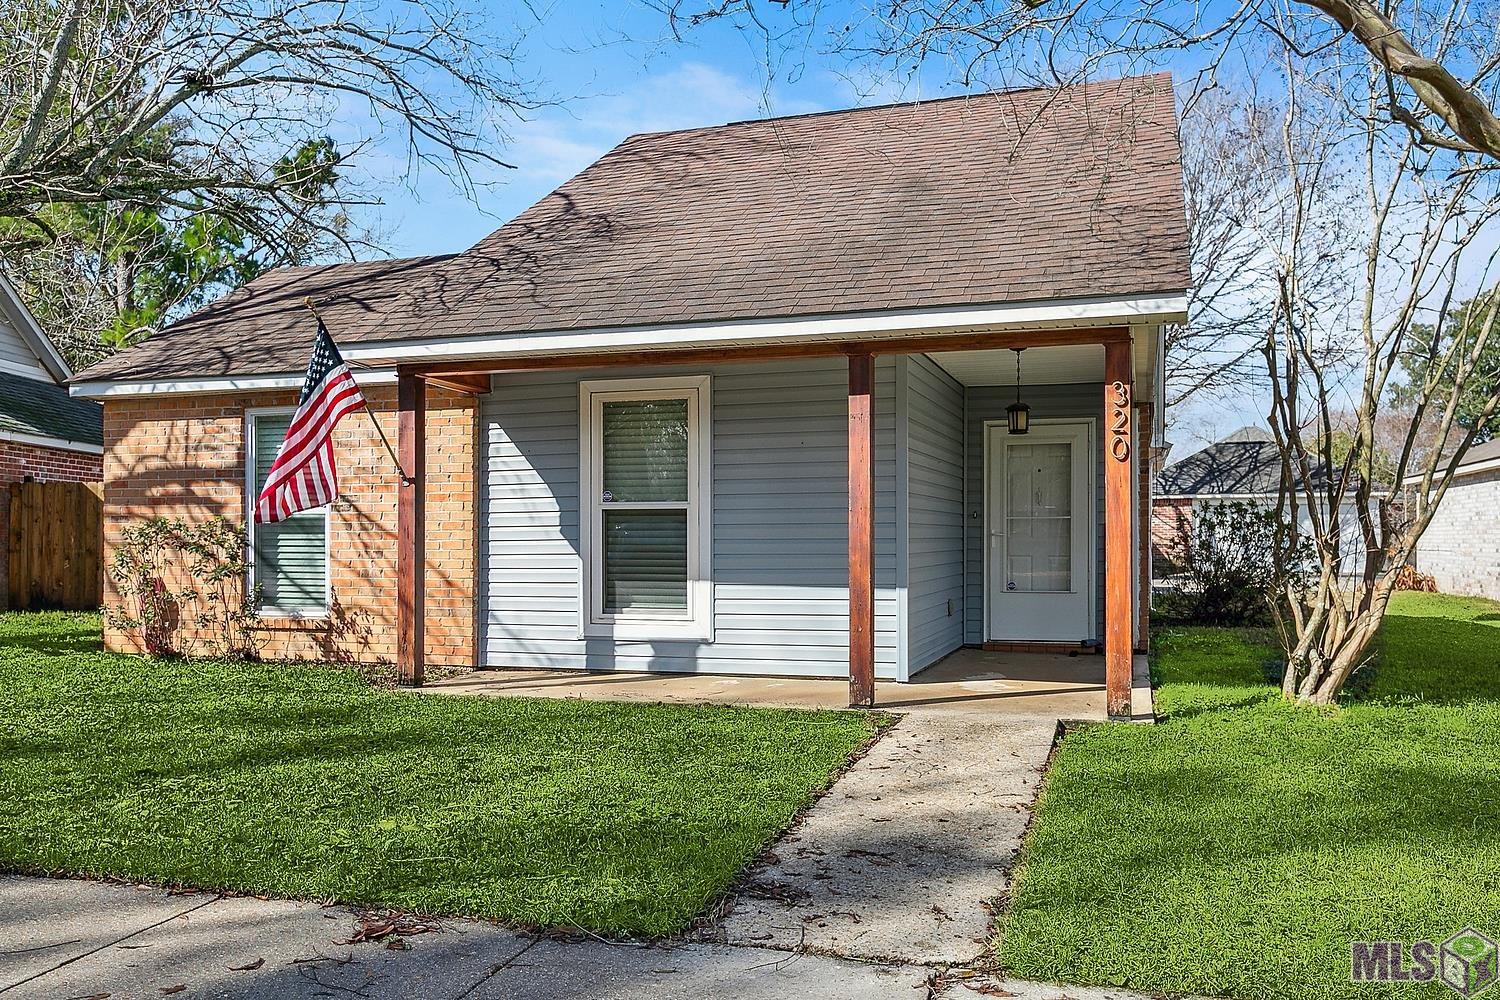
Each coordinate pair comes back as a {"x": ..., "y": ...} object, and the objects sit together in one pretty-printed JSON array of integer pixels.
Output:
[{"x": 1015, "y": 196}]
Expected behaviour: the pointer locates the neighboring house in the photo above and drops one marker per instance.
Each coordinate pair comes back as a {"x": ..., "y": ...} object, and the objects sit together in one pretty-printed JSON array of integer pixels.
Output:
[
  {"x": 655, "y": 404},
  {"x": 1461, "y": 546},
  {"x": 1244, "y": 467},
  {"x": 46, "y": 435}
]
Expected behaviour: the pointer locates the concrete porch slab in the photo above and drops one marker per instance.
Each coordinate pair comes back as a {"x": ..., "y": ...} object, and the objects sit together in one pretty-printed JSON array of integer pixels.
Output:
[{"x": 967, "y": 682}]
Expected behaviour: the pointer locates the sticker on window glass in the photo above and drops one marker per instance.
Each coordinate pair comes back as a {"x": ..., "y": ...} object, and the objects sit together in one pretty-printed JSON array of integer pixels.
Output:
[{"x": 608, "y": 497}]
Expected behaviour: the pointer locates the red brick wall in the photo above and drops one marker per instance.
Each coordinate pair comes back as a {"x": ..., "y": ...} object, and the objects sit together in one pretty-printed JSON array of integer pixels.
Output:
[
  {"x": 1170, "y": 519},
  {"x": 20, "y": 462},
  {"x": 185, "y": 457}
]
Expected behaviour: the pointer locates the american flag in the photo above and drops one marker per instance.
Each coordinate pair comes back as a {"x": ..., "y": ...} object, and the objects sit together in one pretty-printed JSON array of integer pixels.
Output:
[{"x": 303, "y": 475}]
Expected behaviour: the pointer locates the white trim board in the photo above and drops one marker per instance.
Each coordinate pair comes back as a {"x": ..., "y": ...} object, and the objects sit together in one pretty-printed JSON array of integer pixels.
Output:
[
  {"x": 61, "y": 444},
  {"x": 698, "y": 623},
  {"x": 1049, "y": 314},
  {"x": 892, "y": 324},
  {"x": 1487, "y": 465},
  {"x": 228, "y": 383}
]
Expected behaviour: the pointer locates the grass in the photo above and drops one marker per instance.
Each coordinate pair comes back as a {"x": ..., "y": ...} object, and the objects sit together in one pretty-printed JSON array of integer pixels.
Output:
[
  {"x": 306, "y": 782},
  {"x": 1238, "y": 847}
]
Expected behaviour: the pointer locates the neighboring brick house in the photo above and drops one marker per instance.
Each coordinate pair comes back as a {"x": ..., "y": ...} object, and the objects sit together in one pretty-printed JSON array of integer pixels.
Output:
[
  {"x": 682, "y": 416},
  {"x": 46, "y": 435},
  {"x": 1243, "y": 467},
  {"x": 1461, "y": 546}
]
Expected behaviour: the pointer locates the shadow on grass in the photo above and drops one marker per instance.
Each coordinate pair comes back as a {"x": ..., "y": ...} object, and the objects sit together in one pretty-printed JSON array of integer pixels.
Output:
[{"x": 1434, "y": 661}]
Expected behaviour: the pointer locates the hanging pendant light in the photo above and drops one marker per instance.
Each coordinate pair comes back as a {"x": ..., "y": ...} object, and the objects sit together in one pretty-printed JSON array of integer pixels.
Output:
[{"x": 1018, "y": 414}]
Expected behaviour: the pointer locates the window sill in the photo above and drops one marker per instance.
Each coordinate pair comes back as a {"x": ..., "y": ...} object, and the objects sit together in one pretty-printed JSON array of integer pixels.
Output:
[
  {"x": 647, "y": 631},
  {"x": 276, "y": 614}
]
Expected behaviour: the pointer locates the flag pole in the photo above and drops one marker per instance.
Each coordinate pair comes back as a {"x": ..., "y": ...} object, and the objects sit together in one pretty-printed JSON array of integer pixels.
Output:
[{"x": 405, "y": 479}]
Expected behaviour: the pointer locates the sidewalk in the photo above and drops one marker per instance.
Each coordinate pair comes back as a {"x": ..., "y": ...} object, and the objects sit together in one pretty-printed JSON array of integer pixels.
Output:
[{"x": 70, "y": 938}]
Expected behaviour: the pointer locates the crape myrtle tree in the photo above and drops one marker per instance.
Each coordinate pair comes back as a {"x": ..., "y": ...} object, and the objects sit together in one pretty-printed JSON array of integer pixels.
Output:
[
  {"x": 148, "y": 145},
  {"x": 1371, "y": 234}
]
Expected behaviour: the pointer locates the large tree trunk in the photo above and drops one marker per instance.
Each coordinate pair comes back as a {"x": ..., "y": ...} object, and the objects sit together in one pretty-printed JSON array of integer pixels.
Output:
[{"x": 1335, "y": 643}]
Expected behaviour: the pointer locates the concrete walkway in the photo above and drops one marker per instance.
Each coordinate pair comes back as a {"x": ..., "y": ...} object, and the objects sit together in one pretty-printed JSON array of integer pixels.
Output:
[
  {"x": 904, "y": 857},
  {"x": 67, "y": 938}
]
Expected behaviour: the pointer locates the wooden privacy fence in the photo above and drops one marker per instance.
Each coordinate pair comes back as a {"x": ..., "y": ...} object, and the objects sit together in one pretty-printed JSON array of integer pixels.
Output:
[{"x": 55, "y": 545}]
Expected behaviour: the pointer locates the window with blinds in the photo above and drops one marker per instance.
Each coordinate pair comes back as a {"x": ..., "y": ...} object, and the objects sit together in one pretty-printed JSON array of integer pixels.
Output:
[
  {"x": 645, "y": 530},
  {"x": 290, "y": 557}
]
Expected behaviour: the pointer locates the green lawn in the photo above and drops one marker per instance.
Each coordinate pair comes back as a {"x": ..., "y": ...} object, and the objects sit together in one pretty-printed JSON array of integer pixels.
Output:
[
  {"x": 1239, "y": 846},
  {"x": 306, "y": 782}
]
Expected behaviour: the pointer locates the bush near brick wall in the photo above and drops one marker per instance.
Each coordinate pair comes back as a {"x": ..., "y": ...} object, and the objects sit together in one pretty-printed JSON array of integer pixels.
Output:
[
  {"x": 20, "y": 462},
  {"x": 185, "y": 457}
]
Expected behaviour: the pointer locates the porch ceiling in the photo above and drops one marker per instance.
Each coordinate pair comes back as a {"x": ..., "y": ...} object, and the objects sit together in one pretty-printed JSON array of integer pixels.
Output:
[{"x": 1040, "y": 365}]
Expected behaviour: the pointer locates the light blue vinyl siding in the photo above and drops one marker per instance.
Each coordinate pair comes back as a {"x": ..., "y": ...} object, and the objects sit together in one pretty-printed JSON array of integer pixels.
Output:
[
  {"x": 935, "y": 512},
  {"x": 988, "y": 403},
  {"x": 291, "y": 556},
  {"x": 779, "y": 538}
]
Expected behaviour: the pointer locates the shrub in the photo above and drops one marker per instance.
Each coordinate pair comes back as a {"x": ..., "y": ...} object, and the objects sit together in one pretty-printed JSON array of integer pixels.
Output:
[
  {"x": 169, "y": 570},
  {"x": 1225, "y": 566}
]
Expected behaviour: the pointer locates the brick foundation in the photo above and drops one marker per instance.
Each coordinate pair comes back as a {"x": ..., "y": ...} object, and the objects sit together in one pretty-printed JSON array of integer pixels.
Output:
[
  {"x": 22, "y": 462},
  {"x": 185, "y": 457}
]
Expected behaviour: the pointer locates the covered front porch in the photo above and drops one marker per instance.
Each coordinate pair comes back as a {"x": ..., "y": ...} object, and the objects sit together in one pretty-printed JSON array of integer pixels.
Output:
[
  {"x": 966, "y": 682},
  {"x": 1019, "y": 644}
]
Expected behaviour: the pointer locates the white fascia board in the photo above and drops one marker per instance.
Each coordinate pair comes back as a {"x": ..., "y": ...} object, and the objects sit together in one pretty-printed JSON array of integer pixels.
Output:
[
  {"x": 1052, "y": 314},
  {"x": 893, "y": 324},
  {"x": 1488, "y": 465},
  {"x": 31, "y": 331},
  {"x": 61, "y": 444},
  {"x": 233, "y": 383}
]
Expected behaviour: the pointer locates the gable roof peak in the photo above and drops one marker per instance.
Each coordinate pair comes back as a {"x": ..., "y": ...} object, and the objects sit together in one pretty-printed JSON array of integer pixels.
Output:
[{"x": 1250, "y": 432}]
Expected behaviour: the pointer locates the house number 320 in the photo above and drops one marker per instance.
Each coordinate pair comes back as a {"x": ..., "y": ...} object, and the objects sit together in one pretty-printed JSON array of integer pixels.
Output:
[{"x": 1119, "y": 421}]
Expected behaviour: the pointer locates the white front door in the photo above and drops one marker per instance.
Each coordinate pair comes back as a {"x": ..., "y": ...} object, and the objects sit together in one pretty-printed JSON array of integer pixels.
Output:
[{"x": 1040, "y": 525}]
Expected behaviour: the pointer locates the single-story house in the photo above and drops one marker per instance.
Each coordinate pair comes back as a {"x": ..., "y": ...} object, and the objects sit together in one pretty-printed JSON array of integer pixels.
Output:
[
  {"x": 46, "y": 435},
  {"x": 1461, "y": 546},
  {"x": 1244, "y": 467},
  {"x": 733, "y": 399}
]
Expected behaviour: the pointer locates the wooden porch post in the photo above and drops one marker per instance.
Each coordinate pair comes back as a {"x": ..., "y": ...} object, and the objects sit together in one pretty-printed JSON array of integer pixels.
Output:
[
  {"x": 861, "y": 531},
  {"x": 411, "y": 528},
  {"x": 1119, "y": 508}
]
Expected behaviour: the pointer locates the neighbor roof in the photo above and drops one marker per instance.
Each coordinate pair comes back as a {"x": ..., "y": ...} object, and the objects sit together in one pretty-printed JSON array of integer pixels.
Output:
[
  {"x": 32, "y": 406},
  {"x": 998, "y": 198},
  {"x": 1245, "y": 463},
  {"x": 1489, "y": 451}
]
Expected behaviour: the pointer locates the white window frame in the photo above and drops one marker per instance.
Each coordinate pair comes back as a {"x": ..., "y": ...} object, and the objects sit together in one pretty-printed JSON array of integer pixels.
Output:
[
  {"x": 697, "y": 624},
  {"x": 270, "y": 611}
]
